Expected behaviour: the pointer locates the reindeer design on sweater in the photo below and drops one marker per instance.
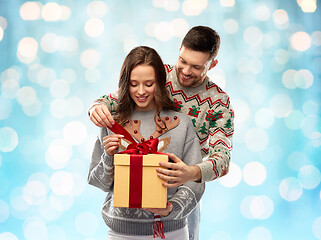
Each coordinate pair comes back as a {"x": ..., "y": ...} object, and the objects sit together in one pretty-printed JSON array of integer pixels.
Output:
[{"x": 164, "y": 124}]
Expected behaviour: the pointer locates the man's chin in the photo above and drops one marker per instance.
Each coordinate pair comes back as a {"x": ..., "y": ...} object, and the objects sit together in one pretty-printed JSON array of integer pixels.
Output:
[{"x": 184, "y": 83}]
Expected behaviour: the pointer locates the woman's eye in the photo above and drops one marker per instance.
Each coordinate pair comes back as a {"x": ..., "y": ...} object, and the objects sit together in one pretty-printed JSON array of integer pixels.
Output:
[{"x": 149, "y": 85}]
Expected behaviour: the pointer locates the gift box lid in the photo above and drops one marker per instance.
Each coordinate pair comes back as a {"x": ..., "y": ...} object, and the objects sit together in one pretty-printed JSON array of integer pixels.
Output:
[{"x": 149, "y": 160}]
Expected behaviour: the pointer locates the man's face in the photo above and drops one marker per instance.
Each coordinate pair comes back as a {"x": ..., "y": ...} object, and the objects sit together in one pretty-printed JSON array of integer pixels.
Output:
[{"x": 192, "y": 67}]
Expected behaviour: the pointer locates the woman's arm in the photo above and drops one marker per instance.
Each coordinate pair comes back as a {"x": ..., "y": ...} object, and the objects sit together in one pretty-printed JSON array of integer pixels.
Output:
[{"x": 101, "y": 170}]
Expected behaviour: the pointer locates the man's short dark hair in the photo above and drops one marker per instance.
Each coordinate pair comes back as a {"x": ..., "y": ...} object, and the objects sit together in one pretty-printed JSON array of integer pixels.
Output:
[{"x": 203, "y": 39}]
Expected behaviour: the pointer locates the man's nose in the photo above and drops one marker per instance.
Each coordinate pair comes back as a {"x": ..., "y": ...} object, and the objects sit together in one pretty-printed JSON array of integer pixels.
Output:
[{"x": 187, "y": 70}]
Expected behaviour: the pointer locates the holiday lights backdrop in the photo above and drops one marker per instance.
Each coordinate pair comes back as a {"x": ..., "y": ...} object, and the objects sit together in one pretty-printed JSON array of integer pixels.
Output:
[{"x": 56, "y": 57}]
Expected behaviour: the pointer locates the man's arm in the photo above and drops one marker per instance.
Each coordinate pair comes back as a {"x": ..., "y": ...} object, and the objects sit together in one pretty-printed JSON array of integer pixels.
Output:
[
  {"x": 101, "y": 109},
  {"x": 220, "y": 145},
  {"x": 217, "y": 164}
]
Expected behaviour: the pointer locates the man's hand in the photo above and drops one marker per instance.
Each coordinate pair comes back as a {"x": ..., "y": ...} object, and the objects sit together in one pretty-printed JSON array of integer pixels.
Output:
[
  {"x": 100, "y": 115},
  {"x": 178, "y": 172},
  {"x": 111, "y": 143},
  {"x": 161, "y": 211}
]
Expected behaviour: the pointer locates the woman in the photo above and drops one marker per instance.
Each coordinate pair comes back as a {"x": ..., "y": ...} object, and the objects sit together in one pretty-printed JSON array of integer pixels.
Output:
[{"x": 143, "y": 100}]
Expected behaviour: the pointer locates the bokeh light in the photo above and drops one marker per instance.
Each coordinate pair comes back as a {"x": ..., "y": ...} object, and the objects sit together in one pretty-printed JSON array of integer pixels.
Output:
[
  {"x": 316, "y": 227},
  {"x": 256, "y": 139},
  {"x": 30, "y": 10},
  {"x": 8, "y": 139},
  {"x": 8, "y": 236},
  {"x": 90, "y": 58},
  {"x": 58, "y": 154},
  {"x": 281, "y": 105},
  {"x": 35, "y": 229},
  {"x": 254, "y": 173},
  {"x": 86, "y": 223},
  {"x": 232, "y": 180},
  {"x": 261, "y": 233},
  {"x": 253, "y": 36},
  {"x": 1, "y": 34},
  {"x": 61, "y": 183},
  {"x": 194, "y": 8},
  {"x": 94, "y": 27},
  {"x": 97, "y": 9},
  {"x": 300, "y": 41},
  {"x": 281, "y": 19},
  {"x": 262, "y": 12},
  {"x": 27, "y": 50},
  {"x": 309, "y": 176},
  {"x": 4, "y": 211},
  {"x": 290, "y": 189},
  {"x": 231, "y": 26},
  {"x": 308, "y": 6}
]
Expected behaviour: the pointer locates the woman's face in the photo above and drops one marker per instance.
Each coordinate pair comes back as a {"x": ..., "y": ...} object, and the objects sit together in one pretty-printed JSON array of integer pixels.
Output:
[{"x": 142, "y": 87}]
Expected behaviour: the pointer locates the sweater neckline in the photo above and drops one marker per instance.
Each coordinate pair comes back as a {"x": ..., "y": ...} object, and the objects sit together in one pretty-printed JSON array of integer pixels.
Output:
[{"x": 144, "y": 113}]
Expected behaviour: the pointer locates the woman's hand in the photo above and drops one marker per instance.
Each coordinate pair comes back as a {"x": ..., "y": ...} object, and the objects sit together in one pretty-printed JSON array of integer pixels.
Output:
[
  {"x": 161, "y": 211},
  {"x": 111, "y": 143}
]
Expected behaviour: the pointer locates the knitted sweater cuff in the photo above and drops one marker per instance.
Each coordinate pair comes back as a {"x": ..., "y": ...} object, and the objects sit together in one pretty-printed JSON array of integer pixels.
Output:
[{"x": 208, "y": 171}]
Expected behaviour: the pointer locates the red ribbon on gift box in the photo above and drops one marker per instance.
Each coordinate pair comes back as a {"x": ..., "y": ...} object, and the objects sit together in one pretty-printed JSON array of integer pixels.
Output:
[{"x": 136, "y": 150}]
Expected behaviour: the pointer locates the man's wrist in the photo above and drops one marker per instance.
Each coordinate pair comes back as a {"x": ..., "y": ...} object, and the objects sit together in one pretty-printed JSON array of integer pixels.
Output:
[
  {"x": 91, "y": 108},
  {"x": 197, "y": 173}
]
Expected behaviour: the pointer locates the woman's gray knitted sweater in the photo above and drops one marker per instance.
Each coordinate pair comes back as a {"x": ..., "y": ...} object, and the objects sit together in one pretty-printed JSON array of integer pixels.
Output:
[{"x": 132, "y": 221}]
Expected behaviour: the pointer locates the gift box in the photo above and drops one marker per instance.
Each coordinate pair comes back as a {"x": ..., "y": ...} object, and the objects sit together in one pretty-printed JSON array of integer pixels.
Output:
[{"x": 136, "y": 184}]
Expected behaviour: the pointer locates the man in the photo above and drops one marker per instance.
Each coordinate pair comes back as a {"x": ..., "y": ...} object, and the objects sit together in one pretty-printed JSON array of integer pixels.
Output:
[{"x": 209, "y": 108}]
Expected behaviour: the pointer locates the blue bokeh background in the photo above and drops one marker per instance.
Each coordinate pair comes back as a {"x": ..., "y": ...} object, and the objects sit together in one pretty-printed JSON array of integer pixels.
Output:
[{"x": 56, "y": 57}]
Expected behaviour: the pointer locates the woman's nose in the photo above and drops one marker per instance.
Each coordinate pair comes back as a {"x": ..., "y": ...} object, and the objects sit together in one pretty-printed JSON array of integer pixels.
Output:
[{"x": 141, "y": 90}]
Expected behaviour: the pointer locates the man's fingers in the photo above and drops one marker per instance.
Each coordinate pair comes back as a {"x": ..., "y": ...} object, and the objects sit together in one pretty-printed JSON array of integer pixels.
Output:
[
  {"x": 168, "y": 178},
  {"x": 165, "y": 165},
  {"x": 168, "y": 172},
  {"x": 110, "y": 119},
  {"x": 103, "y": 118},
  {"x": 95, "y": 121},
  {"x": 171, "y": 185},
  {"x": 169, "y": 165},
  {"x": 174, "y": 158}
]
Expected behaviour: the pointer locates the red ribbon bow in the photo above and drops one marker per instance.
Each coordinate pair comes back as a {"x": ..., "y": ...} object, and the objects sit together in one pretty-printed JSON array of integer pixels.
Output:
[{"x": 144, "y": 148}]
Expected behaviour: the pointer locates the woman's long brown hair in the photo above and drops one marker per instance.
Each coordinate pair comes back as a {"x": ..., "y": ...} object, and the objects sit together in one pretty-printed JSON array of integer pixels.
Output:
[{"x": 141, "y": 56}]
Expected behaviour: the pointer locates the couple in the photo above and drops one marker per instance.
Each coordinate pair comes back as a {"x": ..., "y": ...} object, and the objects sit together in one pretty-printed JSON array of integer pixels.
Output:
[{"x": 143, "y": 96}]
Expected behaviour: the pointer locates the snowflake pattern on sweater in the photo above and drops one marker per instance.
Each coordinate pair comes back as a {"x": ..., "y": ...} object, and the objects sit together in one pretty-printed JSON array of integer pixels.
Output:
[{"x": 212, "y": 115}]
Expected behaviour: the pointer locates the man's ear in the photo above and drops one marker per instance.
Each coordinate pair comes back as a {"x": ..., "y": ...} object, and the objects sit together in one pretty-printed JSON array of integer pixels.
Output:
[{"x": 213, "y": 64}]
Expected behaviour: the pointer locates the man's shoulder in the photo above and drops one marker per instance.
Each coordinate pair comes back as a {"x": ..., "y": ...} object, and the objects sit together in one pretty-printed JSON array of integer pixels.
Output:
[
  {"x": 216, "y": 88},
  {"x": 169, "y": 68}
]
